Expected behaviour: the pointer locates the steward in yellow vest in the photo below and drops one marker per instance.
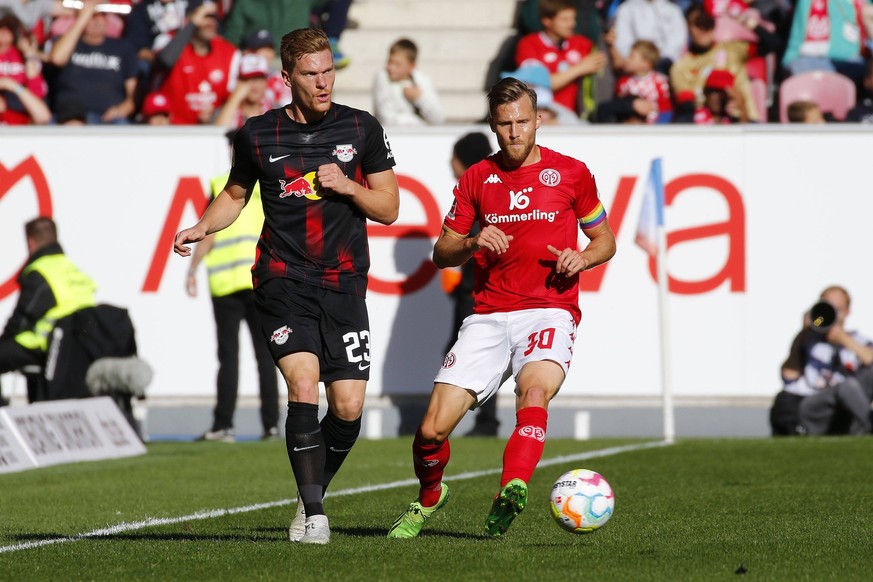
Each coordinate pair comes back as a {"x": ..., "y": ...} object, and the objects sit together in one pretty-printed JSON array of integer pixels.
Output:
[
  {"x": 229, "y": 255},
  {"x": 51, "y": 287}
]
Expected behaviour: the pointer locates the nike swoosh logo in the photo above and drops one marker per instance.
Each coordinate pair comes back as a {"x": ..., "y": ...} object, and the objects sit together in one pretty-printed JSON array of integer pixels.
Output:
[
  {"x": 277, "y": 158},
  {"x": 340, "y": 450},
  {"x": 297, "y": 449},
  {"x": 363, "y": 367}
]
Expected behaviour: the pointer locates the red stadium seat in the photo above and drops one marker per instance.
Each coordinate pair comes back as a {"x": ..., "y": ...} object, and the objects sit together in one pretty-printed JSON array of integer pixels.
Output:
[{"x": 833, "y": 92}]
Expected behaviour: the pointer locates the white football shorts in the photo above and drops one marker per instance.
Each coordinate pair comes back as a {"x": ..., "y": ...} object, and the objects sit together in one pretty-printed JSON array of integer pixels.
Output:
[{"x": 491, "y": 347}]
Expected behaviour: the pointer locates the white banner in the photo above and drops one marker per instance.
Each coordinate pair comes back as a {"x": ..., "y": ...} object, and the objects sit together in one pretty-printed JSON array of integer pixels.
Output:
[
  {"x": 66, "y": 431},
  {"x": 759, "y": 220}
]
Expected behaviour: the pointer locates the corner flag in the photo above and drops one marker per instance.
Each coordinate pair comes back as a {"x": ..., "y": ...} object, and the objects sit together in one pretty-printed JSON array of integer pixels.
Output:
[
  {"x": 652, "y": 210},
  {"x": 653, "y": 239}
]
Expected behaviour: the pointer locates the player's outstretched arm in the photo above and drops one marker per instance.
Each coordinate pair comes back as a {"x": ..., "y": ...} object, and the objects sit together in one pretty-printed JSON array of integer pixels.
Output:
[
  {"x": 220, "y": 214},
  {"x": 379, "y": 201}
]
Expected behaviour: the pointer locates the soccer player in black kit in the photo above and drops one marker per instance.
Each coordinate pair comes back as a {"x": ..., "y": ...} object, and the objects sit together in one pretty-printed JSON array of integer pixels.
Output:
[{"x": 324, "y": 170}]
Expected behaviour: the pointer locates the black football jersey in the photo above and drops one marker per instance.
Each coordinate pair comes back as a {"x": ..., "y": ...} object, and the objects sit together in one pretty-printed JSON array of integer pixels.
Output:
[{"x": 311, "y": 235}]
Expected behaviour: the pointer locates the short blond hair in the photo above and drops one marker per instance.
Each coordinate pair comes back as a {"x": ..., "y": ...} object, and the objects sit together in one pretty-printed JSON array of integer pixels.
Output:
[
  {"x": 648, "y": 51},
  {"x": 300, "y": 42}
]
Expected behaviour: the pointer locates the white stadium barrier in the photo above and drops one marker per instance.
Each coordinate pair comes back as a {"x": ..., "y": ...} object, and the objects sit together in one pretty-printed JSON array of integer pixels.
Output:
[{"x": 759, "y": 220}]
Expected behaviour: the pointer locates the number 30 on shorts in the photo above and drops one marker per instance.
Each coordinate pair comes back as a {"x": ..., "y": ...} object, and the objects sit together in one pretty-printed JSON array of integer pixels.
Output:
[
  {"x": 542, "y": 340},
  {"x": 357, "y": 346}
]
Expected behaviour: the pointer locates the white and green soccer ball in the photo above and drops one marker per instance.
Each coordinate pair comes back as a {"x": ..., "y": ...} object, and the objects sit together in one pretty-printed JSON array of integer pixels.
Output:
[{"x": 582, "y": 501}]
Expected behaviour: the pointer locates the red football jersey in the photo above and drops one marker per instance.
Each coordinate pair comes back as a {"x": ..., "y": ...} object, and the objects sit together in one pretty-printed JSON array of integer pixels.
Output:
[
  {"x": 201, "y": 83},
  {"x": 652, "y": 86},
  {"x": 538, "y": 205},
  {"x": 537, "y": 47}
]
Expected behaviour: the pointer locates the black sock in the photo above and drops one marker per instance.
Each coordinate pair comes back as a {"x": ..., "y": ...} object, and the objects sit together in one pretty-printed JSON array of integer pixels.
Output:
[
  {"x": 305, "y": 445},
  {"x": 339, "y": 438}
]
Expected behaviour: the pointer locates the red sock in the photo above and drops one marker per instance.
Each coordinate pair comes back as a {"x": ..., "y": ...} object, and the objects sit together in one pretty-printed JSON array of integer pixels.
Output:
[
  {"x": 430, "y": 463},
  {"x": 525, "y": 447}
]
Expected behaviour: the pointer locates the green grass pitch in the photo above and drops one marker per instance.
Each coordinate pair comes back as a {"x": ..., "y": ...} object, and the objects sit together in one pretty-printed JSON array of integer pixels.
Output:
[{"x": 782, "y": 509}]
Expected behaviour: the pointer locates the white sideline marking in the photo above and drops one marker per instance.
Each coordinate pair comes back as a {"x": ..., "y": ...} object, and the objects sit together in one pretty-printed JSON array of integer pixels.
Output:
[{"x": 155, "y": 521}]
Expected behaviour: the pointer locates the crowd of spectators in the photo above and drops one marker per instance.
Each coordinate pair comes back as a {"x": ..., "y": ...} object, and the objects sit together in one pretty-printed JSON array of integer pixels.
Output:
[
  {"x": 158, "y": 62},
  {"x": 696, "y": 61},
  {"x": 596, "y": 61}
]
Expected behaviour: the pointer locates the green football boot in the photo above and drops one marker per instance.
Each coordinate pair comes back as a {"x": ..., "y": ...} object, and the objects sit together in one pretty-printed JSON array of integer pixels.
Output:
[
  {"x": 408, "y": 525},
  {"x": 506, "y": 507}
]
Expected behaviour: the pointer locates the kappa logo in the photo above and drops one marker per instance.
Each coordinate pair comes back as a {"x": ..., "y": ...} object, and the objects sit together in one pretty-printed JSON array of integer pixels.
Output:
[
  {"x": 280, "y": 336},
  {"x": 550, "y": 177},
  {"x": 344, "y": 152},
  {"x": 519, "y": 199},
  {"x": 493, "y": 179}
]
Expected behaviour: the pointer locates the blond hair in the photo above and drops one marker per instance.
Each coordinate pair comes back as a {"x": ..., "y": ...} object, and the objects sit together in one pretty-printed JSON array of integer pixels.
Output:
[{"x": 300, "y": 42}]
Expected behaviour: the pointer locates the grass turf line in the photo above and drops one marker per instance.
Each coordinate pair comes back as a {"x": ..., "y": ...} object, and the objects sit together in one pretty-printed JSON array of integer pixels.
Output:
[{"x": 210, "y": 514}]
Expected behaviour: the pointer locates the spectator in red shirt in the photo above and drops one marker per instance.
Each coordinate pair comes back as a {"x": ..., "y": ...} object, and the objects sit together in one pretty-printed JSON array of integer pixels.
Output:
[
  {"x": 567, "y": 56},
  {"x": 22, "y": 87},
  {"x": 199, "y": 68}
]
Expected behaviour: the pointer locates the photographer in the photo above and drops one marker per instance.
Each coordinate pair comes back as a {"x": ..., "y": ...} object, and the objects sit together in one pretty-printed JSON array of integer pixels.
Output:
[{"x": 828, "y": 375}]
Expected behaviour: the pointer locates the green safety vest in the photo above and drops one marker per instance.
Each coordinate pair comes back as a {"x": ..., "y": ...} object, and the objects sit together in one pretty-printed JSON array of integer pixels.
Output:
[
  {"x": 229, "y": 261},
  {"x": 73, "y": 290}
]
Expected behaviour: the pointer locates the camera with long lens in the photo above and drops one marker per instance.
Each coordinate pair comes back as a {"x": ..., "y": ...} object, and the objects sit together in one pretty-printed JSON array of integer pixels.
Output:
[{"x": 822, "y": 317}]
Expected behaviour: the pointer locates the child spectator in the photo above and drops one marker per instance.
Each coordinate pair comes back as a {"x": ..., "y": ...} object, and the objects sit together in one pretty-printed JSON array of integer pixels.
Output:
[
  {"x": 249, "y": 98},
  {"x": 156, "y": 110},
  {"x": 804, "y": 112},
  {"x": 22, "y": 87},
  {"x": 403, "y": 94},
  {"x": 643, "y": 94}
]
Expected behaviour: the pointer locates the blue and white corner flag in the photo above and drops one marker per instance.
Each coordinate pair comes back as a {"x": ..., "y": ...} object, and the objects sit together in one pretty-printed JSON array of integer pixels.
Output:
[{"x": 652, "y": 210}]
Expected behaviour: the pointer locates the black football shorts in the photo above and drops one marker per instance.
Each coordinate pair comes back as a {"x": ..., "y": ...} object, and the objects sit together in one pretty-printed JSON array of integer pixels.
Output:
[{"x": 334, "y": 326}]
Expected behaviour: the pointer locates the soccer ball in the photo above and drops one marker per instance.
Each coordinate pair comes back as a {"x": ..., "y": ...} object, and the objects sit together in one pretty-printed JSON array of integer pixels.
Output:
[{"x": 582, "y": 501}]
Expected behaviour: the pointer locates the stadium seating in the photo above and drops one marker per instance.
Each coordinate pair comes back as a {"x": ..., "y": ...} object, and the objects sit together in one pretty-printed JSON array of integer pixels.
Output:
[
  {"x": 456, "y": 41},
  {"x": 833, "y": 92}
]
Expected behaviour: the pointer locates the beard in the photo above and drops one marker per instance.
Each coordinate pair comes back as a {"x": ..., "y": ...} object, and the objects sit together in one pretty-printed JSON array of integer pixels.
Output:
[{"x": 514, "y": 154}]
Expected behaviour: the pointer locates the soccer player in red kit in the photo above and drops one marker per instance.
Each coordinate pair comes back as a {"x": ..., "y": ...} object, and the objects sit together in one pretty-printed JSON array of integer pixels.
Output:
[
  {"x": 324, "y": 169},
  {"x": 530, "y": 202}
]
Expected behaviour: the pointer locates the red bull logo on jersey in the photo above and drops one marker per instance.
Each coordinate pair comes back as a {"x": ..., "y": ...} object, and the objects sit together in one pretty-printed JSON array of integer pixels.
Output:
[
  {"x": 344, "y": 152},
  {"x": 302, "y": 187},
  {"x": 280, "y": 336}
]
